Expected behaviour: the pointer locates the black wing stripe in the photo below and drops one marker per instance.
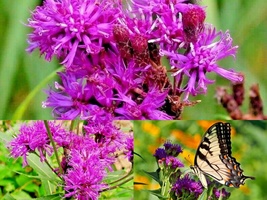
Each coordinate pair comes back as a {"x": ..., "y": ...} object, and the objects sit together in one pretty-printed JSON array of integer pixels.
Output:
[{"x": 214, "y": 158}]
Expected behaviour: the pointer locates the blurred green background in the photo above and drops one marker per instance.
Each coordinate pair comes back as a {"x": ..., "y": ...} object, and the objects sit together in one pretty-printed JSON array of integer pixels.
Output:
[
  {"x": 248, "y": 147},
  {"x": 21, "y": 72}
]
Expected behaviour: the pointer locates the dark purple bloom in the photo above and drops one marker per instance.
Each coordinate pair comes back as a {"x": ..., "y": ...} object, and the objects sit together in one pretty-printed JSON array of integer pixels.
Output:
[
  {"x": 221, "y": 193},
  {"x": 64, "y": 27},
  {"x": 172, "y": 149},
  {"x": 187, "y": 188},
  {"x": 160, "y": 153}
]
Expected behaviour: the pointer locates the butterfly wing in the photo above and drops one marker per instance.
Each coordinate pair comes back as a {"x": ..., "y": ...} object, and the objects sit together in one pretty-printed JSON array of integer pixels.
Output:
[{"x": 213, "y": 157}]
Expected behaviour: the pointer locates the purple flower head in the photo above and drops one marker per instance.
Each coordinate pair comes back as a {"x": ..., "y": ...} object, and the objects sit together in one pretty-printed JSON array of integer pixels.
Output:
[
  {"x": 63, "y": 27},
  {"x": 127, "y": 77},
  {"x": 88, "y": 144},
  {"x": 91, "y": 155},
  {"x": 187, "y": 187},
  {"x": 33, "y": 137},
  {"x": 221, "y": 193},
  {"x": 172, "y": 23},
  {"x": 132, "y": 33},
  {"x": 160, "y": 153},
  {"x": 79, "y": 97},
  {"x": 172, "y": 149},
  {"x": 106, "y": 136},
  {"x": 202, "y": 59},
  {"x": 173, "y": 162},
  {"x": 83, "y": 179},
  {"x": 146, "y": 109}
]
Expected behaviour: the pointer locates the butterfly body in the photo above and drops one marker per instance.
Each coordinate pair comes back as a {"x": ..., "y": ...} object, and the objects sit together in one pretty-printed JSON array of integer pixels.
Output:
[{"x": 213, "y": 158}]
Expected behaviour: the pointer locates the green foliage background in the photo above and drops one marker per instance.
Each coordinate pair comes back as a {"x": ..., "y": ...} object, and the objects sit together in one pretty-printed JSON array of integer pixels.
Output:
[
  {"x": 20, "y": 72},
  {"x": 248, "y": 147}
]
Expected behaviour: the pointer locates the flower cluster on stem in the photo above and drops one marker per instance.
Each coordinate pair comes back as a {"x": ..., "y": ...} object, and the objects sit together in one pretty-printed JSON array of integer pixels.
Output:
[
  {"x": 177, "y": 183},
  {"x": 86, "y": 159},
  {"x": 112, "y": 55}
]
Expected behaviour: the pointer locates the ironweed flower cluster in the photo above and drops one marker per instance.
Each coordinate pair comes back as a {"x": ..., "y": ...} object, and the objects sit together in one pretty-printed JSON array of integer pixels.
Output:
[
  {"x": 179, "y": 184},
  {"x": 112, "y": 53},
  {"x": 87, "y": 157}
]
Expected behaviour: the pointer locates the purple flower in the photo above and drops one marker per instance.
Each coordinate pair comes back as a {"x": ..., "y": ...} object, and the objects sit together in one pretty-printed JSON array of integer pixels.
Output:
[
  {"x": 127, "y": 76},
  {"x": 172, "y": 149},
  {"x": 147, "y": 109},
  {"x": 170, "y": 29},
  {"x": 160, "y": 153},
  {"x": 173, "y": 162},
  {"x": 202, "y": 59},
  {"x": 33, "y": 137},
  {"x": 64, "y": 27},
  {"x": 90, "y": 156},
  {"x": 107, "y": 136},
  {"x": 221, "y": 193},
  {"x": 83, "y": 179},
  {"x": 79, "y": 97},
  {"x": 187, "y": 188},
  {"x": 113, "y": 56}
]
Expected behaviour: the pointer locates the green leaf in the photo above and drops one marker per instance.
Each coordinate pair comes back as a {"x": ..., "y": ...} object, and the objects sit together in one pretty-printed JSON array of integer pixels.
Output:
[
  {"x": 112, "y": 176},
  {"x": 8, "y": 197},
  {"x": 154, "y": 175},
  {"x": 204, "y": 195},
  {"x": 20, "y": 195},
  {"x": 138, "y": 155},
  {"x": 157, "y": 193},
  {"x": 51, "y": 197},
  {"x": 49, "y": 187},
  {"x": 9, "y": 185},
  {"x": 21, "y": 180},
  {"x": 5, "y": 137},
  {"x": 32, "y": 187},
  {"x": 41, "y": 168}
]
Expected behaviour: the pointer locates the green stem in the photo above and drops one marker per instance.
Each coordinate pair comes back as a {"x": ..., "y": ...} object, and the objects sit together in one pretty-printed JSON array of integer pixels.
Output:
[
  {"x": 116, "y": 186},
  {"x": 125, "y": 176},
  {"x": 165, "y": 187},
  {"x": 25, "y": 104},
  {"x": 54, "y": 145}
]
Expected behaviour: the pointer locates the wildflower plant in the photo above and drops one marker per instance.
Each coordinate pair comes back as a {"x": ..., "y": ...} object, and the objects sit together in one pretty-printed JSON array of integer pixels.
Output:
[
  {"x": 77, "y": 159},
  {"x": 179, "y": 183},
  {"x": 112, "y": 56}
]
